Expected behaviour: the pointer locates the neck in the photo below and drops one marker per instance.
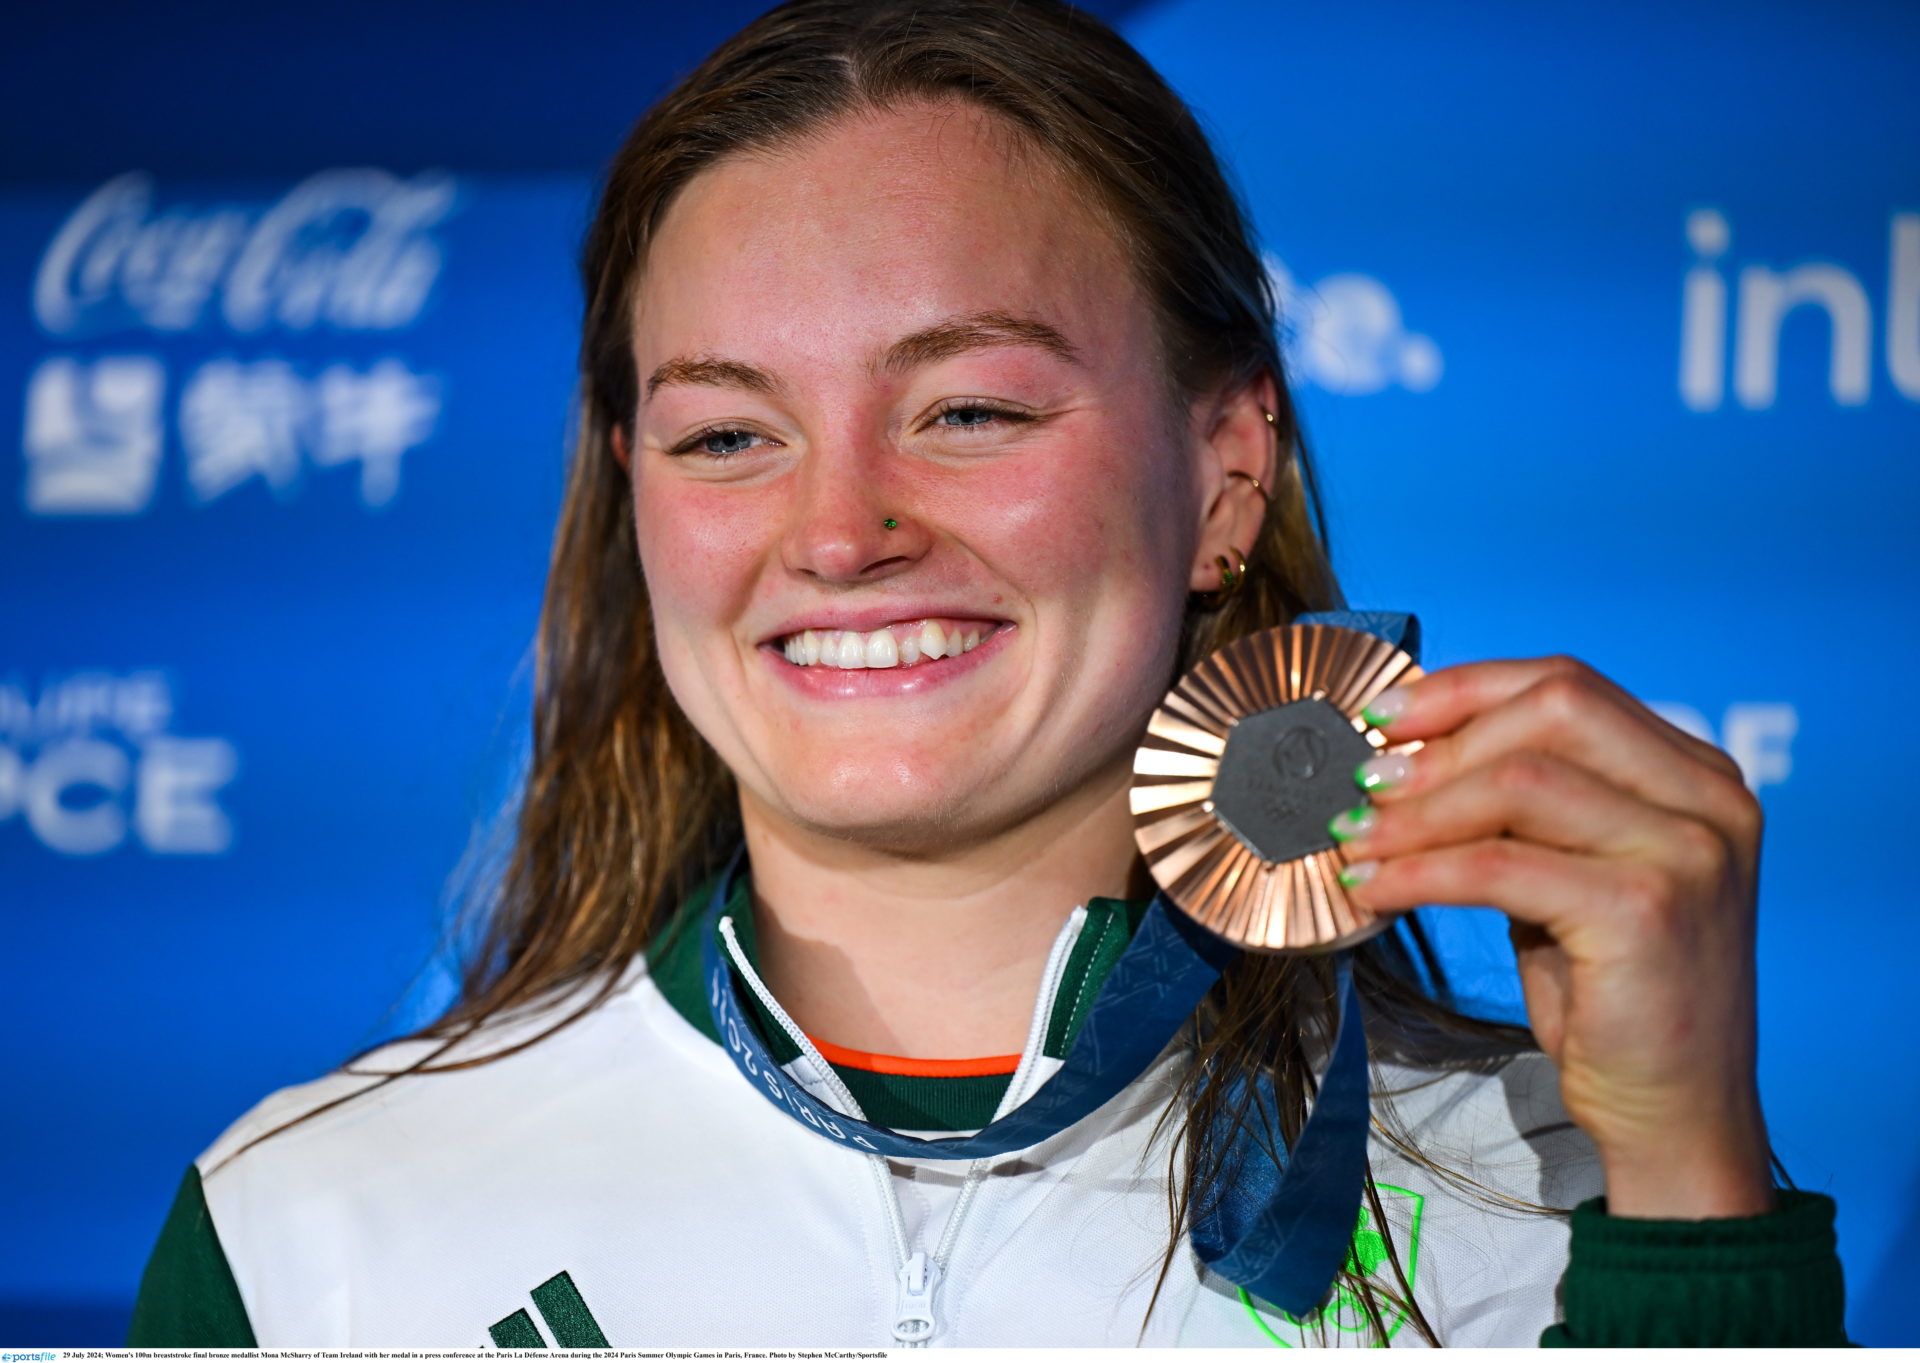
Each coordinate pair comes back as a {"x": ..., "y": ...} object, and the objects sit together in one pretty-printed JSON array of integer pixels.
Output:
[{"x": 935, "y": 956}]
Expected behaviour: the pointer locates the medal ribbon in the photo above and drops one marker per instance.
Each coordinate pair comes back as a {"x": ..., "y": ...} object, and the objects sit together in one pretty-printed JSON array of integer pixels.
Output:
[{"x": 1280, "y": 1231}]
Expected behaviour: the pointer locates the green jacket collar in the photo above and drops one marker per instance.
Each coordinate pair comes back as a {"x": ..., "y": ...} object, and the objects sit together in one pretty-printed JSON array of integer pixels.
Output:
[{"x": 905, "y": 1102}]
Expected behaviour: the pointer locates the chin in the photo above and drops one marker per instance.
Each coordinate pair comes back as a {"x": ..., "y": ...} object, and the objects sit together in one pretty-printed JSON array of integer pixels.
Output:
[
  {"x": 877, "y": 812},
  {"x": 898, "y": 832},
  {"x": 907, "y": 818},
  {"x": 934, "y": 808}
]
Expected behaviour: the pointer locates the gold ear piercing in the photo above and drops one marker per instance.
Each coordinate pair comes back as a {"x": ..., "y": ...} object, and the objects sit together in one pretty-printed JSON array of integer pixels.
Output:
[
  {"x": 1264, "y": 494},
  {"x": 1231, "y": 578}
]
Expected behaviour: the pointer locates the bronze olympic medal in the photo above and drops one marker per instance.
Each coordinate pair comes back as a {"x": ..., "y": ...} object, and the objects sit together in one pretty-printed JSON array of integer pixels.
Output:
[{"x": 1244, "y": 764}]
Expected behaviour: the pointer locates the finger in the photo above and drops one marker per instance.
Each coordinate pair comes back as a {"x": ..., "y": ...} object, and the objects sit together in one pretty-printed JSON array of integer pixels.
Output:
[
  {"x": 1442, "y": 701},
  {"x": 1546, "y": 982},
  {"x": 1580, "y": 900},
  {"x": 1529, "y": 794},
  {"x": 1582, "y": 720}
]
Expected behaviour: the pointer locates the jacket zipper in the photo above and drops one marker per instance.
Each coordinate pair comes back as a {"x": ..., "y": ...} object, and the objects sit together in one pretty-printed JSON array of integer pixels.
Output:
[{"x": 918, "y": 1279}]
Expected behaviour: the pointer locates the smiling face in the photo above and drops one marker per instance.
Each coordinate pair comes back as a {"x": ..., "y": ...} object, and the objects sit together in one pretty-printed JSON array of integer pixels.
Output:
[{"x": 916, "y": 525}]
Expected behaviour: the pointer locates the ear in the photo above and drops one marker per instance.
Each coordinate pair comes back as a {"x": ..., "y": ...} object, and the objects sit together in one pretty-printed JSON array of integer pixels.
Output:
[
  {"x": 621, "y": 452},
  {"x": 1239, "y": 439}
]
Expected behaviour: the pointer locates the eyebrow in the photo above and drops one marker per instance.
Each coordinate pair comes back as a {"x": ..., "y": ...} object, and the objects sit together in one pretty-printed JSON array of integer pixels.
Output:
[
  {"x": 706, "y": 371},
  {"x": 976, "y": 331},
  {"x": 942, "y": 340}
]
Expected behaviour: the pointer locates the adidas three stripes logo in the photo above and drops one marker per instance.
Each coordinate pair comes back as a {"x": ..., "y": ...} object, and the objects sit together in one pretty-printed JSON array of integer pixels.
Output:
[{"x": 563, "y": 1309}]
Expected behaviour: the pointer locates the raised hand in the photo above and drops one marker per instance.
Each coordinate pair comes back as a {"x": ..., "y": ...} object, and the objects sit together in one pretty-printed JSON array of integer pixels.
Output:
[{"x": 1625, "y": 854}]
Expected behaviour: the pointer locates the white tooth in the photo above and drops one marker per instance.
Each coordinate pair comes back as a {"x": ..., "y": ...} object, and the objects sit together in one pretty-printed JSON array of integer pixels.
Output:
[
  {"x": 809, "y": 648},
  {"x": 973, "y": 641},
  {"x": 881, "y": 650},
  {"x": 932, "y": 642},
  {"x": 910, "y": 649},
  {"x": 851, "y": 650},
  {"x": 792, "y": 649}
]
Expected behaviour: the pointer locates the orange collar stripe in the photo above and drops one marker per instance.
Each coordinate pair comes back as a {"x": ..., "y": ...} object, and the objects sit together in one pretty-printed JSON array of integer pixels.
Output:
[{"x": 918, "y": 1069}]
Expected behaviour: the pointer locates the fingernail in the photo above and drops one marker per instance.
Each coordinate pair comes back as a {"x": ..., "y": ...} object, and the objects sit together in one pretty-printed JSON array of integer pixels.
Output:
[
  {"x": 1388, "y": 769},
  {"x": 1358, "y": 873},
  {"x": 1388, "y": 706},
  {"x": 1349, "y": 824}
]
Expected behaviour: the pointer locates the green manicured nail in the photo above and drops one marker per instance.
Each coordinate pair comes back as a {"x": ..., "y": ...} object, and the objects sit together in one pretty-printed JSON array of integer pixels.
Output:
[
  {"x": 1388, "y": 706},
  {"x": 1387, "y": 769},
  {"x": 1359, "y": 873},
  {"x": 1349, "y": 824}
]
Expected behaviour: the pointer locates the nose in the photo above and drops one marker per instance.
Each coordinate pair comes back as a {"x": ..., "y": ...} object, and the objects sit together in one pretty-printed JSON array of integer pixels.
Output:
[{"x": 851, "y": 521}]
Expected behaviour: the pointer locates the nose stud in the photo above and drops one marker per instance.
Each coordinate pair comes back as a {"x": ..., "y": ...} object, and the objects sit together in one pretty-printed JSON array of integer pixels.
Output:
[{"x": 890, "y": 523}]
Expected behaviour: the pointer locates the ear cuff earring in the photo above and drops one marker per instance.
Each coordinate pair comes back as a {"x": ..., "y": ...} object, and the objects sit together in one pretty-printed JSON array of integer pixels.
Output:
[
  {"x": 1264, "y": 494},
  {"x": 1233, "y": 575}
]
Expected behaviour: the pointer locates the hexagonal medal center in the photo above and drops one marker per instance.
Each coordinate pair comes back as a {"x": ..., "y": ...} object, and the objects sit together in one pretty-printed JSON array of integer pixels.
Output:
[{"x": 1284, "y": 774}]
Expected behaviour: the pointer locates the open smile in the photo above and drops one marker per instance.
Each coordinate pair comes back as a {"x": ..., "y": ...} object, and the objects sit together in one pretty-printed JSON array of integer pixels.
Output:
[
  {"x": 905, "y": 643},
  {"x": 894, "y": 658}
]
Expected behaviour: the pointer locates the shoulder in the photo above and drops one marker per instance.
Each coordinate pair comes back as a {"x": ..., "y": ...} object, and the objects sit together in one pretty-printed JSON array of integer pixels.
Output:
[
  {"x": 412, "y": 1208},
  {"x": 351, "y": 1193},
  {"x": 407, "y": 1100}
]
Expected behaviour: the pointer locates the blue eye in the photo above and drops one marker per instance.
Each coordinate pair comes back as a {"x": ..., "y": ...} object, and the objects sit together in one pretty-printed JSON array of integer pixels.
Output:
[
  {"x": 987, "y": 410},
  {"x": 726, "y": 442},
  {"x": 730, "y": 439}
]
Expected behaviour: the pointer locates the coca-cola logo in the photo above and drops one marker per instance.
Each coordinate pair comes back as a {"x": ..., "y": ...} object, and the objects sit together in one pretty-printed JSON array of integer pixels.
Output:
[{"x": 351, "y": 249}]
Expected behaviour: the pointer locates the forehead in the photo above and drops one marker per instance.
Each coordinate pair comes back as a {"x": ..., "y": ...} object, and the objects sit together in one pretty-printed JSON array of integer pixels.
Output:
[{"x": 874, "y": 226}]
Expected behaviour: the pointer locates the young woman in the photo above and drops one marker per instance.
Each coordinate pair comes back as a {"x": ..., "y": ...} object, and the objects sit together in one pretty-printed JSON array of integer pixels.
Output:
[{"x": 931, "y": 399}]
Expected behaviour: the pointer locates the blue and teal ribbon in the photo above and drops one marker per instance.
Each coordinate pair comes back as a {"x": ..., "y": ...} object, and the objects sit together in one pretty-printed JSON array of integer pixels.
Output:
[
  {"x": 1280, "y": 1229},
  {"x": 1152, "y": 989}
]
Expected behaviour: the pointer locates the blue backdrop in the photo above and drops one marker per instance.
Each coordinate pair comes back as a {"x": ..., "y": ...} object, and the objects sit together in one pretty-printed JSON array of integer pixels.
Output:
[{"x": 1606, "y": 323}]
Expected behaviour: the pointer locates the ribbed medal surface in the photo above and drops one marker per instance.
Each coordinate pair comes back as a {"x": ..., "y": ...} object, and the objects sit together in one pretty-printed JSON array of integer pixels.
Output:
[{"x": 1243, "y": 765}]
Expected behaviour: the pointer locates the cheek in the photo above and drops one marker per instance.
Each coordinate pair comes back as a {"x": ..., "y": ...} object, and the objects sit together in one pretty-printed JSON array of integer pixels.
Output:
[
  {"x": 698, "y": 547},
  {"x": 1102, "y": 520}
]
